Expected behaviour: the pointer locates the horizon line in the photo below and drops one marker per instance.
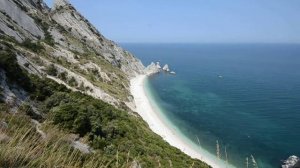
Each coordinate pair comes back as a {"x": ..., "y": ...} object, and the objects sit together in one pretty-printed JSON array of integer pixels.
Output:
[{"x": 295, "y": 43}]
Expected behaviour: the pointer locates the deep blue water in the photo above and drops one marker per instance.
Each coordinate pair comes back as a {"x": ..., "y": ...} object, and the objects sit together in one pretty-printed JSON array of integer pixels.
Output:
[{"x": 246, "y": 96}]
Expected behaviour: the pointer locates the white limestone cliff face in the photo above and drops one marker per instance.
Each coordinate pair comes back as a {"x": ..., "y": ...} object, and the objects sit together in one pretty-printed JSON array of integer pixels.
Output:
[
  {"x": 78, "y": 48},
  {"x": 80, "y": 80},
  {"x": 166, "y": 68},
  {"x": 152, "y": 68},
  {"x": 66, "y": 15},
  {"x": 13, "y": 96},
  {"x": 13, "y": 18},
  {"x": 291, "y": 162},
  {"x": 60, "y": 3},
  {"x": 158, "y": 65}
]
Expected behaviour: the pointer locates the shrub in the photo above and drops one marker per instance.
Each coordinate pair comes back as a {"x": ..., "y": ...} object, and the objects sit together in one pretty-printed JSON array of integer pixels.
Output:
[
  {"x": 114, "y": 132},
  {"x": 26, "y": 64},
  {"x": 14, "y": 73},
  {"x": 51, "y": 70},
  {"x": 65, "y": 115},
  {"x": 63, "y": 76},
  {"x": 1, "y": 95},
  {"x": 33, "y": 46},
  {"x": 49, "y": 39},
  {"x": 73, "y": 82}
]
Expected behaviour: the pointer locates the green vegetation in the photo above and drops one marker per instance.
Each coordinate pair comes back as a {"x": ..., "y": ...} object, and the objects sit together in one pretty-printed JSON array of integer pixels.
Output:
[
  {"x": 118, "y": 137},
  {"x": 72, "y": 82},
  {"x": 45, "y": 26},
  {"x": 33, "y": 46},
  {"x": 48, "y": 37},
  {"x": 8, "y": 62},
  {"x": 116, "y": 87},
  {"x": 113, "y": 131},
  {"x": 22, "y": 146},
  {"x": 1, "y": 95},
  {"x": 63, "y": 76},
  {"x": 51, "y": 70}
]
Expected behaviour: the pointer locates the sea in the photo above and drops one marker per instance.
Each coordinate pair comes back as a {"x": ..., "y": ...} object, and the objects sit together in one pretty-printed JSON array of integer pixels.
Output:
[{"x": 237, "y": 101}]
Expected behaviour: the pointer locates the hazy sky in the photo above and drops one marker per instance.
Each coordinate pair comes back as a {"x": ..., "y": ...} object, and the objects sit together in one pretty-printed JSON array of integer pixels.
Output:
[{"x": 201, "y": 21}]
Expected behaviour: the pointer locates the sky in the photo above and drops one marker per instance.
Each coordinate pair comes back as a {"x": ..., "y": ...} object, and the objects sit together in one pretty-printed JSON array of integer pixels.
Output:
[{"x": 194, "y": 21}]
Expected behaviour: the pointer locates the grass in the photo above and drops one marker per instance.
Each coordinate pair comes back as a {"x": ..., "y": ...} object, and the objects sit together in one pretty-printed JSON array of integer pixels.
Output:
[
  {"x": 118, "y": 137},
  {"x": 117, "y": 87},
  {"x": 26, "y": 148}
]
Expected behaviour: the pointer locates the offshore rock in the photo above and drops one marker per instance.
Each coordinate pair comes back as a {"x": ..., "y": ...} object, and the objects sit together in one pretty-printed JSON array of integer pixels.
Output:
[
  {"x": 292, "y": 162},
  {"x": 166, "y": 68}
]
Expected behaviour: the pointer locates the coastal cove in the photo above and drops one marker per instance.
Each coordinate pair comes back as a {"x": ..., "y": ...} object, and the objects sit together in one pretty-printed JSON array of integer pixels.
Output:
[
  {"x": 151, "y": 113},
  {"x": 215, "y": 85},
  {"x": 243, "y": 96}
]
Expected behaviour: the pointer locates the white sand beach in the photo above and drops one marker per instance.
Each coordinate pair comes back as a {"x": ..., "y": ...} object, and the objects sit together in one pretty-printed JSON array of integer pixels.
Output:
[{"x": 146, "y": 110}]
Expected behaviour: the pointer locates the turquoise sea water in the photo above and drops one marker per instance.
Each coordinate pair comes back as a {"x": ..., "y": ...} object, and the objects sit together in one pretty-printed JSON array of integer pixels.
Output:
[{"x": 246, "y": 96}]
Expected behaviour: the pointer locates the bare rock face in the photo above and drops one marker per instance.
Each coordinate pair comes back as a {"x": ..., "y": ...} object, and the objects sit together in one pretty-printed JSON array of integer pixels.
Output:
[
  {"x": 66, "y": 15},
  {"x": 4, "y": 138},
  {"x": 292, "y": 162},
  {"x": 152, "y": 68},
  {"x": 13, "y": 18},
  {"x": 135, "y": 164},
  {"x": 60, "y": 3},
  {"x": 166, "y": 68},
  {"x": 3, "y": 125},
  {"x": 13, "y": 96},
  {"x": 85, "y": 60}
]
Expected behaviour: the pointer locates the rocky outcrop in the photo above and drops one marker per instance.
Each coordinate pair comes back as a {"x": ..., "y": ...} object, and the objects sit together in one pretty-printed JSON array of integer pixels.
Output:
[
  {"x": 60, "y": 3},
  {"x": 78, "y": 50},
  {"x": 38, "y": 129},
  {"x": 166, "y": 68},
  {"x": 3, "y": 125},
  {"x": 15, "y": 20},
  {"x": 4, "y": 138},
  {"x": 66, "y": 15},
  {"x": 135, "y": 164},
  {"x": 12, "y": 95},
  {"x": 292, "y": 162},
  {"x": 158, "y": 65},
  {"x": 152, "y": 68}
]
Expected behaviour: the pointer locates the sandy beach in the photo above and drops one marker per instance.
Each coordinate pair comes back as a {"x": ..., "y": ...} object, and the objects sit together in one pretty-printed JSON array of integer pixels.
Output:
[{"x": 146, "y": 110}]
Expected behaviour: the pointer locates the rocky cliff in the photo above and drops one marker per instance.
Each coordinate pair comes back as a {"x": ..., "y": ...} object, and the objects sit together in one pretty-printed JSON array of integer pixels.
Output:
[
  {"x": 62, "y": 45},
  {"x": 69, "y": 87}
]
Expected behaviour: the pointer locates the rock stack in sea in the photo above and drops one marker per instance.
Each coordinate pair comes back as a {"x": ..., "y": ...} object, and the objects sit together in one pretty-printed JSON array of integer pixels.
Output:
[
  {"x": 154, "y": 68},
  {"x": 292, "y": 162},
  {"x": 167, "y": 69}
]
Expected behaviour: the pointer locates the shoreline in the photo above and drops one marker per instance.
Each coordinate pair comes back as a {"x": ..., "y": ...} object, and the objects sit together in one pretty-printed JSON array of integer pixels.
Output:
[{"x": 150, "y": 114}]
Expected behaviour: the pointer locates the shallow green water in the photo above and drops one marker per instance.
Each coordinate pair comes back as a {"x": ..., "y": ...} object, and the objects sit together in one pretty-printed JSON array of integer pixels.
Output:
[{"x": 245, "y": 96}]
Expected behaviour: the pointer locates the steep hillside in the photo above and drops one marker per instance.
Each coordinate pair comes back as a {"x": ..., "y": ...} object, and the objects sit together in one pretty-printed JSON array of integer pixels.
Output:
[
  {"x": 51, "y": 125},
  {"x": 63, "y": 94},
  {"x": 83, "y": 59}
]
